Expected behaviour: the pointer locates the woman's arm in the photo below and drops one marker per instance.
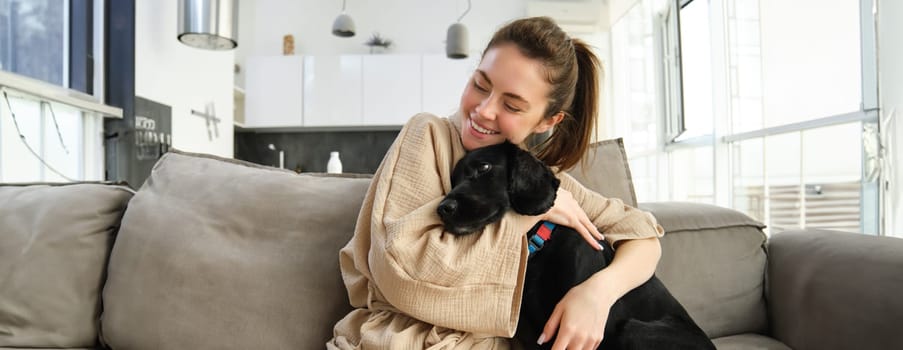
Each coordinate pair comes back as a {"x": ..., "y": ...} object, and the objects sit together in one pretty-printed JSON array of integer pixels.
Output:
[
  {"x": 580, "y": 317},
  {"x": 633, "y": 265}
]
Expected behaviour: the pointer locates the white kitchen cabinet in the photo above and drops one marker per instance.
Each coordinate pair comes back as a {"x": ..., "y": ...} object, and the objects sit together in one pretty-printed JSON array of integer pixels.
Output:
[
  {"x": 391, "y": 88},
  {"x": 351, "y": 90},
  {"x": 333, "y": 94},
  {"x": 274, "y": 91},
  {"x": 443, "y": 81}
]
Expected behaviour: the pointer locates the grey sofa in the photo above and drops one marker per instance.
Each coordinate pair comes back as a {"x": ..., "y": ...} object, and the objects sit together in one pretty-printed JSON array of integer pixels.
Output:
[
  {"x": 808, "y": 289},
  {"x": 220, "y": 254}
]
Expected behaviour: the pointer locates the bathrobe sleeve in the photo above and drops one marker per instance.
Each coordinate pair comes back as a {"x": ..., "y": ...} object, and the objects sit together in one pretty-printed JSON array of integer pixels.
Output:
[{"x": 616, "y": 220}]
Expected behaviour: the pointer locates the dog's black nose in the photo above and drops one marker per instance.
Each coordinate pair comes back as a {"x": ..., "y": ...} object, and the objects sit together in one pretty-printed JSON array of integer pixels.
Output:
[{"x": 448, "y": 207}]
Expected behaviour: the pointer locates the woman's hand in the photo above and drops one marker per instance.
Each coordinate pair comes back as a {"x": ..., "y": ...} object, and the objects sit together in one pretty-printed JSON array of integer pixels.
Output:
[
  {"x": 566, "y": 211},
  {"x": 579, "y": 319}
]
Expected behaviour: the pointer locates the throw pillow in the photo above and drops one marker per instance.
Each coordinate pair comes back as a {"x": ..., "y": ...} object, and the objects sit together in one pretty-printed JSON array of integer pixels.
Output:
[
  {"x": 605, "y": 170},
  {"x": 54, "y": 244},
  {"x": 713, "y": 261}
]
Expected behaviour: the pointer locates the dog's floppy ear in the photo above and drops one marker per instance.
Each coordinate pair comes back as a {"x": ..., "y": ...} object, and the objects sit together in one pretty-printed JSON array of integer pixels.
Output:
[{"x": 531, "y": 184}]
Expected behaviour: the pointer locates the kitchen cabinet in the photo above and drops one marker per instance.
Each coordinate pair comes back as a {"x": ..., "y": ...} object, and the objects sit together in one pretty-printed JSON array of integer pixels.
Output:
[
  {"x": 333, "y": 91},
  {"x": 361, "y": 91},
  {"x": 274, "y": 94},
  {"x": 443, "y": 81},
  {"x": 391, "y": 88}
]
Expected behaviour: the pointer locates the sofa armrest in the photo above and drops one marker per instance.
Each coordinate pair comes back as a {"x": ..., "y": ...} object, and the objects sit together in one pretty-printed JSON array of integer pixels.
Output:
[
  {"x": 713, "y": 261},
  {"x": 832, "y": 290}
]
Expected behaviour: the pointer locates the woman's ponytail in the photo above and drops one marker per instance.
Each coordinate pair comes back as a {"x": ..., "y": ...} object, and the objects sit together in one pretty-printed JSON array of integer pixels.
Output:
[{"x": 571, "y": 138}]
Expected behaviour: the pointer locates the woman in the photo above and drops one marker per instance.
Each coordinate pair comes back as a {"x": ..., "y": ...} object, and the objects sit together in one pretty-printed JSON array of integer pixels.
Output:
[{"x": 414, "y": 286}]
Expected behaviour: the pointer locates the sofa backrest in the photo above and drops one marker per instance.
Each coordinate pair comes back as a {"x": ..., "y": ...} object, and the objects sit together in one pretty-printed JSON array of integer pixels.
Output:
[
  {"x": 713, "y": 262},
  {"x": 222, "y": 254}
]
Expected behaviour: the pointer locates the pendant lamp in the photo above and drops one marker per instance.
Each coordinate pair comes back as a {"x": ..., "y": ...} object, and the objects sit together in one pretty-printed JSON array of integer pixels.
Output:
[
  {"x": 456, "y": 38},
  {"x": 343, "y": 25},
  {"x": 208, "y": 24}
]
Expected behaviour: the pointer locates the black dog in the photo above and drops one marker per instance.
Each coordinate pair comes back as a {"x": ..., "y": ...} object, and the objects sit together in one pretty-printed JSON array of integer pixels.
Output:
[{"x": 490, "y": 180}]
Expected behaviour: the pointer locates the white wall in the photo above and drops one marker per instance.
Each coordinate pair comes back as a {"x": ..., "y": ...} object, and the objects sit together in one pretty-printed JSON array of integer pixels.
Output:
[
  {"x": 890, "y": 81},
  {"x": 185, "y": 78},
  {"x": 414, "y": 26}
]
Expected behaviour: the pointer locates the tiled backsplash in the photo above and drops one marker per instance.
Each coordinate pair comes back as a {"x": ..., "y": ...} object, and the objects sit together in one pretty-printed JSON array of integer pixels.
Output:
[{"x": 360, "y": 151}]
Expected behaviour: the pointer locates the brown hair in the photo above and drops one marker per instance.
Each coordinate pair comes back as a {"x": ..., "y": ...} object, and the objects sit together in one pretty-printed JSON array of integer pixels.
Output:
[{"x": 573, "y": 72}]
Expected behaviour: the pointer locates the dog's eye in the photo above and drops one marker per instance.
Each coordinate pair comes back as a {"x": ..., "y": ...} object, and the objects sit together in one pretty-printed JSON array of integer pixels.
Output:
[{"x": 483, "y": 168}]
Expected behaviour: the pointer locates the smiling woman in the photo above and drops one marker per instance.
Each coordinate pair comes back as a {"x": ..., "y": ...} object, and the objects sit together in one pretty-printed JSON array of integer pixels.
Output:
[{"x": 413, "y": 285}]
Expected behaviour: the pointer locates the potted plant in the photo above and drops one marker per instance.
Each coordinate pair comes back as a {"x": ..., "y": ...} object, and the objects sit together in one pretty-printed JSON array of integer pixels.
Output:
[{"x": 378, "y": 43}]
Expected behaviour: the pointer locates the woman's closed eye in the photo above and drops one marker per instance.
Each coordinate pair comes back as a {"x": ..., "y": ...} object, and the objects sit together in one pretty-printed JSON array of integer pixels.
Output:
[
  {"x": 485, "y": 90},
  {"x": 512, "y": 108},
  {"x": 479, "y": 88}
]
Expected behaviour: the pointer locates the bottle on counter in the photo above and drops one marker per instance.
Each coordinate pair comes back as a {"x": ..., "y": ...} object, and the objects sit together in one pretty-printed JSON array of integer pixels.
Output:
[{"x": 334, "y": 166}]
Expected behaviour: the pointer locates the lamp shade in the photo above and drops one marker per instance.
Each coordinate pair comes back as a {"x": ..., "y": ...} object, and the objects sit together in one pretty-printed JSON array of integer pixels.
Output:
[
  {"x": 208, "y": 24},
  {"x": 343, "y": 26},
  {"x": 456, "y": 41}
]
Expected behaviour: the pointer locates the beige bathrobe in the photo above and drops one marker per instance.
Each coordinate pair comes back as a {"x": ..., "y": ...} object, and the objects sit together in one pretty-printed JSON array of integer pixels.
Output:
[{"x": 417, "y": 287}]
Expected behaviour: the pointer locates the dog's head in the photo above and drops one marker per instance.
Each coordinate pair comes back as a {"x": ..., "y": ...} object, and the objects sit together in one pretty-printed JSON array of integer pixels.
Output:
[{"x": 490, "y": 180}]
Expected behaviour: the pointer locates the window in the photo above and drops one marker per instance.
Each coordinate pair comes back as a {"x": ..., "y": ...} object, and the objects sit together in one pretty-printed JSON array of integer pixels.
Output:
[
  {"x": 745, "y": 65},
  {"x": 786, "y": 91},
  {"x": 635, "y": 99},
  {"x": 61, "y": 137},
  {"x": 696, "y": 70},
  {"x": 692, "y": 174},
  {"x": 773, "y": 112},
  {"x": 795, "y": 72},
  {"x": 32, "y": 38},
  {"x": 66, "y": 138},
  {"x": 748, "y": 188}
]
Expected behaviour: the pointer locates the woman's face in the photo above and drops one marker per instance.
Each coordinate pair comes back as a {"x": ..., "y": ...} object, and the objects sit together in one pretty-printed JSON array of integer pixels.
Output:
[{"x": 504, "y": 100}]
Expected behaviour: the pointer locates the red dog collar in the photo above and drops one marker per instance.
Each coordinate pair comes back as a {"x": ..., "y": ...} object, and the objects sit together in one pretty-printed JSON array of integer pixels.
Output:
[{"x": 543, "y": 234}]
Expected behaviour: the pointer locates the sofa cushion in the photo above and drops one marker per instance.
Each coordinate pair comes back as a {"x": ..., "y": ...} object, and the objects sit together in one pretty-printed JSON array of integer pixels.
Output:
[
  {"x": 224, "y": 254},
  {"x": 605, "y": 170},
  {"x": 54, "y": 244},
  {"x": 713, "y": 261},
  {"x": 748, "y": 341}
]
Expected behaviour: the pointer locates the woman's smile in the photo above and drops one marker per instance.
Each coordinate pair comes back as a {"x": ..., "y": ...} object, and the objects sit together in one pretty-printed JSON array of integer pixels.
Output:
[{"x": 479, "y": 129}]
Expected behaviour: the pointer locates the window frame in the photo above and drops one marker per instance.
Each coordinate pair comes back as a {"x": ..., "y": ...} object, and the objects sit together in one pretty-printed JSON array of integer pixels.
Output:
[{"x": 668, "y": 32}]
